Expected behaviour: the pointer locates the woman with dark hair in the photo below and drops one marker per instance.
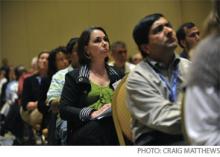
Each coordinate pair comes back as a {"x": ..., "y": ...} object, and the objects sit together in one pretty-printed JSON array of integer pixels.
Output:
[
  {"x": 55, "y": 90},
  {"x": 87, "y": 92},
  {"x": 57, "y": 60}
]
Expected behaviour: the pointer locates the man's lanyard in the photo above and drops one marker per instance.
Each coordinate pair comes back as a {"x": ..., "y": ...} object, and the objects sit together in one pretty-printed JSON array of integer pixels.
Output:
[{"x": 172, "y": 86}]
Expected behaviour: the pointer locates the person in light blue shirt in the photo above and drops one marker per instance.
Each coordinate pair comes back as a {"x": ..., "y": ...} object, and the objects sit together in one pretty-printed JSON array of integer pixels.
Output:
[{"x": 56, "y": 86}]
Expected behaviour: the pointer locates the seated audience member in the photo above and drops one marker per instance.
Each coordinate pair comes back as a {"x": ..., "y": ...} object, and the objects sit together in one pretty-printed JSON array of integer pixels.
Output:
[
  {"x": 188, "y": 37},
  {"x": 202, "y": 102},
  {"x": 3, "y": 80},
  {"x": 10, "y": 91},
  {"x": 12, "y": 119},
  {"x": 31, "y": 93},
  {"x": 154, "y": 85},
  {"x": 120, "y": 56},
  {"x": 25, "y": 75},
  {"x": 4, "y": 106},
  {"x": 55, "y": 89},
  {"x": 5, "y": 70},
  {"x": 87, "y": 92},
  {"x": 5, "y": 66}
]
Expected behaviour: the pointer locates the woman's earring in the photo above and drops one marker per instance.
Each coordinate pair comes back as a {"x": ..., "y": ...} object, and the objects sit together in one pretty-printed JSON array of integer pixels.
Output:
[
  {"x": 87, "y": 56},
  {"x": 86, "y": 52}
]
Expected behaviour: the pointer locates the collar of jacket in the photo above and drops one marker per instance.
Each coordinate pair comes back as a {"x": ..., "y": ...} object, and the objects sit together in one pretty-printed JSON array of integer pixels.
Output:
[
  {"x": 83, "y": 77},
  {"x": 158, "y": 65}
]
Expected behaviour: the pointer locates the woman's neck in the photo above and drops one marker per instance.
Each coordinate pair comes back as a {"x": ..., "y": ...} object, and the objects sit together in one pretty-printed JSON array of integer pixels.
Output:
[
  {"x": 98, "y": 74},
  {"x": 98, "y": 68}
]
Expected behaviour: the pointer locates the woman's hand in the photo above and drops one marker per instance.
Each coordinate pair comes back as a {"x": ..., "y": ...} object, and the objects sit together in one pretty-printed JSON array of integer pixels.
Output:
[
  {"x": 100, "y": 111},
  {"x": 32, "y": 105}
]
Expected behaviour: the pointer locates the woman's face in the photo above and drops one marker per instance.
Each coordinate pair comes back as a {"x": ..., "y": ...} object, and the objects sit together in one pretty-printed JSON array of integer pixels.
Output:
[
  {"x": 98, "y": 46},
  {"x": 61, "y": 61},
  {"x": 43, "y": 61}
]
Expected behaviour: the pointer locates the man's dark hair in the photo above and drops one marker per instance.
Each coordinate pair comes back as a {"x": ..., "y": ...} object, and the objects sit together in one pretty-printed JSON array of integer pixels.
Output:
[
  {"x": 181, "y": 34},
  {"x": 141, "y": 30},
  {"x": 116, "y": 44},
  {"x": 19, "y": 70}
]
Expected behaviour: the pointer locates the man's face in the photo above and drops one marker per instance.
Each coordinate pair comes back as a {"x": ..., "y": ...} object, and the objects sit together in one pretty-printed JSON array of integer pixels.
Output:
[
  {"x": 162, "y": 40},
  {"x": 120, "y": 55},
  {"x": 192, "y": 38}
]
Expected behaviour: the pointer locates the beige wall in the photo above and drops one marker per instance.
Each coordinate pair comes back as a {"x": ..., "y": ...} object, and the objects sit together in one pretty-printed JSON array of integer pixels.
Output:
[{"x": 31, "y": 26}]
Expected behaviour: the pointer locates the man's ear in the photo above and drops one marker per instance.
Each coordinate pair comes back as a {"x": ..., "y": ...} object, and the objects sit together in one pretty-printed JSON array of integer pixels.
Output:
[{"x": 144, "y": 48}]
